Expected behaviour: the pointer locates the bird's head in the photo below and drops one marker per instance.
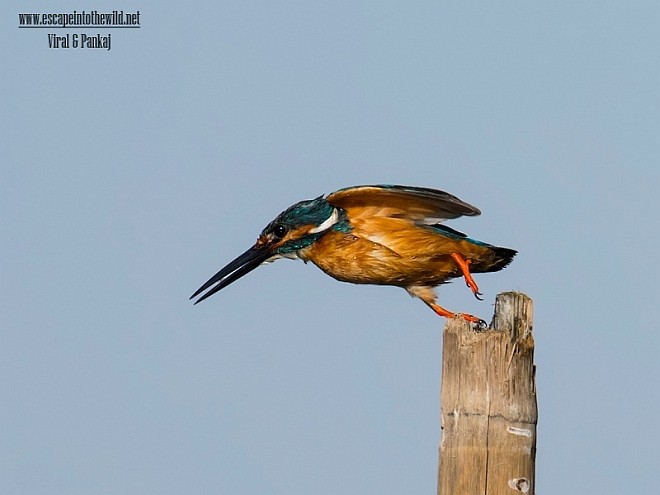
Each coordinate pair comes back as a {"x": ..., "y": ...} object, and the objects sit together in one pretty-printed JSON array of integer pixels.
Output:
[{"x": 296, "y": 228}]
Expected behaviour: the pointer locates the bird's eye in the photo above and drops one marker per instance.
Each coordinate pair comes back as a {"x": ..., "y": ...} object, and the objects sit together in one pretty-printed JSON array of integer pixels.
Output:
[{"x": 279, "y": 231}]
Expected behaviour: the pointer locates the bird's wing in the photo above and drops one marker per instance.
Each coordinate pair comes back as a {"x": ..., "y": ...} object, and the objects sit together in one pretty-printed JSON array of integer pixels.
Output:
[{"x": 418, "y": 204}]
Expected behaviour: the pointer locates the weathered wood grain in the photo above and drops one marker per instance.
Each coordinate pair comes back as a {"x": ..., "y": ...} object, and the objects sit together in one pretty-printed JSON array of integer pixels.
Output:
[{"x": 488, "y": 399}]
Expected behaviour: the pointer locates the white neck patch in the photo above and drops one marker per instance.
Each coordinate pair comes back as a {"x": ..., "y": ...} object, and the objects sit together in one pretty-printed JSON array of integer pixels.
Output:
[{"x": 329, "y": 222}]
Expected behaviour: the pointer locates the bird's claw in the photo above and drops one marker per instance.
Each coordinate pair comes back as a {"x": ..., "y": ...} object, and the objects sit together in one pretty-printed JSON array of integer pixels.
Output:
[
  {"x": 480, "y": 325},
  {"x": 464, "y": 266}
]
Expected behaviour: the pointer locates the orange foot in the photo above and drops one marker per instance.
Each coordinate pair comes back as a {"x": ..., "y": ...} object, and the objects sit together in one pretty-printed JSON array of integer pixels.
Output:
[
  {"x": 448, "y": 314},
  {"x": 465, "y": 269}
]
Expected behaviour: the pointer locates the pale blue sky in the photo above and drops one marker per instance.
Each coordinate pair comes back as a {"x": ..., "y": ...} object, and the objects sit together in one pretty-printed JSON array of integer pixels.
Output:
[{"x": 131, "y": 176}]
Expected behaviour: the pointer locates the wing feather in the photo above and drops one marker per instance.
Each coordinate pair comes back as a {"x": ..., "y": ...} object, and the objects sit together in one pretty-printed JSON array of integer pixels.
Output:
[{"x": 418, "y": 204}]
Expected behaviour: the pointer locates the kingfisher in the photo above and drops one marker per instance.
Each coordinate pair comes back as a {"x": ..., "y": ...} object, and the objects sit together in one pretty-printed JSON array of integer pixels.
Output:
[{"x": 375, "y": 234}]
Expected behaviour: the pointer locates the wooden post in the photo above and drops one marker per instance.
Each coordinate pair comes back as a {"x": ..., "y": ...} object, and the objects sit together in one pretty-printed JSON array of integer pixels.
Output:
[{"x": 488, "y": 399}]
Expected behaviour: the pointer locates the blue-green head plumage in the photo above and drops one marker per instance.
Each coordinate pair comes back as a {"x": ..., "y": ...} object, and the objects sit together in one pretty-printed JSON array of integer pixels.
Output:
[{"x": 304, "y": 223}]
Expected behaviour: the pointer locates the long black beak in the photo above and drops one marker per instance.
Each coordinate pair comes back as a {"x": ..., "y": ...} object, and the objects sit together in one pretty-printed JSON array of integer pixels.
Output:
[{"x": 242, "y": 265}]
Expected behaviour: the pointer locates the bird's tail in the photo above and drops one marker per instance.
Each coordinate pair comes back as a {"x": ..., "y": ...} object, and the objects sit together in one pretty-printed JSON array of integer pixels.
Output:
[{"x": 500, "y": 258}]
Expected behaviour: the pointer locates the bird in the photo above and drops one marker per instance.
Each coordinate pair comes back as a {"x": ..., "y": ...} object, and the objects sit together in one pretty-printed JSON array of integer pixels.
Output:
[{"x": 375, "y": 234}]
